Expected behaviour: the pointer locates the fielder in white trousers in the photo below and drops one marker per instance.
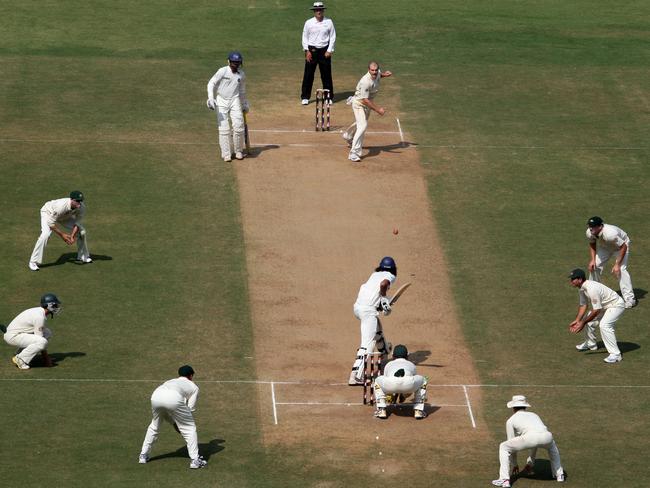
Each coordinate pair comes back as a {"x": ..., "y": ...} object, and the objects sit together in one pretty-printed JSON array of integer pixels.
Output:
[
  {"x": 174, "y": 401},
  {"x": 525, "y": 430},
  {"x": 39, "y": 249}
]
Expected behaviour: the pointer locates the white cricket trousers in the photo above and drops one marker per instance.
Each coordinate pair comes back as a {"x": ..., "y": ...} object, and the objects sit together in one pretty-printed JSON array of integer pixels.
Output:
[
  {"x": 41, "y": 242},
  {"x": 168, "y": 405},
  {"x": 624, "y": 282},
  {"x": 606, "y": 322},
  {"x": 372, "y": 335},
  {"x": 31, "y": 344},
  {"x": 405, "y": 384},
  {"x": 230, "y": 110},
  {"x": 533, "y": 440},
  {"x": 358, "y": 130}
]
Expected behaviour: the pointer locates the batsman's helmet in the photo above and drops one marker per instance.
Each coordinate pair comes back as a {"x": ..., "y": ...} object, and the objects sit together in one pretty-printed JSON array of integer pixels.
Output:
[
  {"x": 235, "y": 57},
  {"x": 51, "y": 303},
  {"x": 387, "y": 264},
  {"x": 400, "y": 351}
]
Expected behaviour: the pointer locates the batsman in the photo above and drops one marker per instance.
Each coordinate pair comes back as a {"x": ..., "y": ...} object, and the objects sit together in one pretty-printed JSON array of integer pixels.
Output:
[{"x": 371, "y": 301}]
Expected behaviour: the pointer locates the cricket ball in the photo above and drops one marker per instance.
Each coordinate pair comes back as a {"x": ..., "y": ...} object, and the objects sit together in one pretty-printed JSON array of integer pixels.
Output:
[{"x": 395, "y": 231}]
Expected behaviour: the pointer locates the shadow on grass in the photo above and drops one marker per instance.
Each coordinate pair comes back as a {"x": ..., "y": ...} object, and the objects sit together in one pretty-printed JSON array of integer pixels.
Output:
[
  {"x": 55, "y": 357},
  {"x": 71, "y": 257},
  {"x": 407, "y": 410},
  {"x": 256, "y": 151},
  {"x": 542, "y": 470},
  {"x": 3, "y": 329},
  {"x": 640, "y": 293},
  {"x": 206, "y": 450},
  {"x": 623, "y": 346}
]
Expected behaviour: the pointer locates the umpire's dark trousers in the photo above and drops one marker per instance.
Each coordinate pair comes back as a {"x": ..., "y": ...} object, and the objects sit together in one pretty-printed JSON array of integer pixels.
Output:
[{"x": 325, "y": 66}]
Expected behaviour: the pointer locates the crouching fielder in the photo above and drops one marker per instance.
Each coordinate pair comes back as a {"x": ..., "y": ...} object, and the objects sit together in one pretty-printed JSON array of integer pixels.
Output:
[
  {"x": 174, "y": 401},
  {"x": 28, "y": 332},
  {"x": 230, "y": 104},
  {"x": 371, "y": 299},
  {"x": 399, "y": 378},
  {"x": 525, "y": 430}
]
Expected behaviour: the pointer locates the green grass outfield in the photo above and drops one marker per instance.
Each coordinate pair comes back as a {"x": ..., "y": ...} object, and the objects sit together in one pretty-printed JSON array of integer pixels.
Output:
[{"x": 530, "y": 117}]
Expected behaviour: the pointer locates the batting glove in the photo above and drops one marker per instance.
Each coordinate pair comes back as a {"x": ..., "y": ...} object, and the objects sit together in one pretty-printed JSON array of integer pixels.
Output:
[
  {"x": 211, "y": 104},
  {"x": 384, "y": 303},
  {"x": 245, "y": 106}
]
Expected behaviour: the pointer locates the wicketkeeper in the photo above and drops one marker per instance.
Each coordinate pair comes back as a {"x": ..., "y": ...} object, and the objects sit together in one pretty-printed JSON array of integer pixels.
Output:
[{"x": 400, "y": 379}]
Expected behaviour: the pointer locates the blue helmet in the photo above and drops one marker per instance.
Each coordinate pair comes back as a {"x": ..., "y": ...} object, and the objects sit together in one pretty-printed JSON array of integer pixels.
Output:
[
  {"x": 387, "y": 264},
  {"x": 235, "y": 57}
]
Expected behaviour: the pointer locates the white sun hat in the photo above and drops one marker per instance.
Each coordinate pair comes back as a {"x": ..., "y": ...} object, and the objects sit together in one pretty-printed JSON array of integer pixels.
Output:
[{"x": 518, "y": 401}]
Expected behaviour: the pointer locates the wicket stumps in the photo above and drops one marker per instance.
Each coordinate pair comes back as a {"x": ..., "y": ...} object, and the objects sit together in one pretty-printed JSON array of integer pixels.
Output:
[
  {"x": 323, "y": 102},
  {"x": 371, "y": 365}
]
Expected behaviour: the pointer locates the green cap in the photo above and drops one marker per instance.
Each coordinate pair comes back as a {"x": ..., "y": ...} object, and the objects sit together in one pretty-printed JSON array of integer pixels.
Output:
[
  {"x": 185, "y": 370},
  {"x": 77, "y": 195}
]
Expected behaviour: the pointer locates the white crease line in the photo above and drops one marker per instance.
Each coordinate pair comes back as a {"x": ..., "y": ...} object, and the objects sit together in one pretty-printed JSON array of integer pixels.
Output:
[
  {"x": 401, "y": 134},
  {"x": 355, "y": 404},
  {"x": 275, "y": 410},
  {"x": 305, "y": 131},
  {"x": 551, "y": 148},
  {"x": 469, "y": 407}
]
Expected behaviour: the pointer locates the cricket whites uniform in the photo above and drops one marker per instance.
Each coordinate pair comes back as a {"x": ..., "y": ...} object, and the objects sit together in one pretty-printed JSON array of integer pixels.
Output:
[
  {"x": 366, "y": 88},
  {"x": 400, "y": 377},
  {"x": 60, "y": 212},
  {"x": 231, "y": 102},
  {"x": 28, "y": 331},
  {"x": 365, "y": 309},
  {"x": 608, "y": 243},
  {"x": 174, "y": 401},
  {"x": 525, "y": 430},
  {"x": 612, "y": 305}
]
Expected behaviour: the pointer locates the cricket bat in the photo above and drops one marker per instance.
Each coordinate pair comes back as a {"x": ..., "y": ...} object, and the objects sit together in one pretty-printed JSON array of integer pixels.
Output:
[
  {"x": 246, "y": 138},
  {"x": 399, "y": 292}
]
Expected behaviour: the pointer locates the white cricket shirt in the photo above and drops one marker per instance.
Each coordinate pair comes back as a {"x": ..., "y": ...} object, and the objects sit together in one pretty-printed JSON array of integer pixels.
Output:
[
  {"x": 185, "y": 387},
  {"x": 319, "y": 34},
  {"x": 60, "y": 210},
  {"x": 611, "y": 237},
  {"x": 366, "y": 88},
  {"x": 599, "y": 295},
  {"x": 369, "y": 292},
  {"x": 523, "y": 422},
  {"x": 228, "y": 85},
  {"x": 396, "y": 364},
  {"x": 31, "y": 321}
]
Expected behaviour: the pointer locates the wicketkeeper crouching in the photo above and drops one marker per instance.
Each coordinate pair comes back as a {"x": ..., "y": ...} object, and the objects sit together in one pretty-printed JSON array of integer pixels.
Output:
[{"x": 399, "y": 378}]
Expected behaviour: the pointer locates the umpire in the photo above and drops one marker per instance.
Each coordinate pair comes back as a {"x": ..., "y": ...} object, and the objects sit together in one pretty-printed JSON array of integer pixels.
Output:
[{"x": 318, "y": 39}]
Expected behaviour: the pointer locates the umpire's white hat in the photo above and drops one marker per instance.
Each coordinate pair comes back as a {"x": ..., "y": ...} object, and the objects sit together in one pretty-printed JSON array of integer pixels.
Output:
[{"x": 318, "y": 6}]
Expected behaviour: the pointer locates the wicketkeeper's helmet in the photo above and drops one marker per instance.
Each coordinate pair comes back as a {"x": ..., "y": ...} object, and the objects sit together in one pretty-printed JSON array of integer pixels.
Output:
[
  {"x": 387, "y": 264},
  {"x": 235, "y": 57},
  {"x": 51, "y": 303},
  {"x": 400, "y": 351}
]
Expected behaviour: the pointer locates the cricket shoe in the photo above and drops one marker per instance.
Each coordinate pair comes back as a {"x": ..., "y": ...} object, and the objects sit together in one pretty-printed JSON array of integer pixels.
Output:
[
  {"x": 613, "y": 358},
  {"x": 420, "y": 414},
  {"x": 239, "y": 155},
  {"x": 585, "y": 346},
  {"x": 632, "y": 304},
  {"x": 33, "y": 266},
  {"x": 20, "y": 364},
  {"x": 561, "y": 478},
  {"x": 198, "y": 463},
  {"x": 504, "y": 483},
  {"x": 381, "y": 413},
  {"x": 305, "y": 101},
  {"x": 227, "y": 159},
  {"x": 347, "y": 138},
  {"x": 87, "y": 260},
  {"x": 143, "y": 458},
  {"x": 354, "y": 158}
]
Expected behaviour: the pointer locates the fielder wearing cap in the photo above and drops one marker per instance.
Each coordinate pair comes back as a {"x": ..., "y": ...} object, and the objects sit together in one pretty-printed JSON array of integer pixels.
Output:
[
  {"x": 174, "y": 401},
  {"x": 318, "y": 40},
  {"x": 227, "y": 96},
  {"x": 69, "y": 214},
  {"x": 28, "y": 332},
  {"x": 370, "y": 301},
  {"x": 606, "y": 308},
  {"x": 400, "y": 378},
  {"x": 605, "y": 241},
  {"x": 525, "y": 430}
]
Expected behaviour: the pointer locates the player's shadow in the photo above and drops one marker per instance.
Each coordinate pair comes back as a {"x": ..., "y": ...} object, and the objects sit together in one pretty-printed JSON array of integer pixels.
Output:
[
  {"x": 623, "y": 346},
  {"x": 390, "y": 148},
  {"x": 542, "y": 470},
  {"x": 406, "y": 410},
  {"x": 206, "y": 450},
  {"x": 71, "y": 257},
  {"x": 3, "y": 329},
  {"x": 257, "y": 150},
  {"x": 418, "y": 358},
  {"x": 56, "y": 357},
  {"x": 342, "y": 96},
  {"x": 640, "y": 293}
]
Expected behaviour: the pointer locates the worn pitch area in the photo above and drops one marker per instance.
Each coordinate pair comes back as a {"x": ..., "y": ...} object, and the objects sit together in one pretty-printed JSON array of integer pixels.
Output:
[{"x": 315, "y": 227}]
